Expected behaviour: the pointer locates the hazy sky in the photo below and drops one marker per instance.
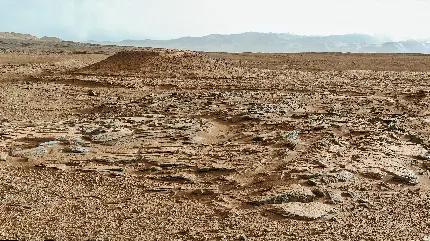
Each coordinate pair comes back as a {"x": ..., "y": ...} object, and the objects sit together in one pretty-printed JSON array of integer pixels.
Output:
[{"x": 161, "y": 19}]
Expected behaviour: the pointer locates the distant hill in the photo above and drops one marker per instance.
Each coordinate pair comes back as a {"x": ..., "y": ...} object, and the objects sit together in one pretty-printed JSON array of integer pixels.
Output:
[
  {"x": 18, "y": 36},
  {"x": 26, "y": 37},
  {"x": 282, "y": 43}
]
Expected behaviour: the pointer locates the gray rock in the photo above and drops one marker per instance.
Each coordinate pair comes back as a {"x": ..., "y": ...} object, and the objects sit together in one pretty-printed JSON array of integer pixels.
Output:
[
  {"x": 78, "y": 149},
  {"x": 35, "y": 152},
  {"x": 297, "y": 193},
  {"x": 49, "y": 144},
  {"x": 302, "y": 211}
]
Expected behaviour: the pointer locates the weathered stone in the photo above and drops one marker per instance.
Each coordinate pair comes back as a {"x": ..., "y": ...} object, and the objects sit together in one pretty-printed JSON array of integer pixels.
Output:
[{"x": 302, "y": 211}]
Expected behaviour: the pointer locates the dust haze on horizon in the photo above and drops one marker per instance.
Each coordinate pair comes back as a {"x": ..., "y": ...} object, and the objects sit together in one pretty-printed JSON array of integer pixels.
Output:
[{"x": 113, "y": 20}]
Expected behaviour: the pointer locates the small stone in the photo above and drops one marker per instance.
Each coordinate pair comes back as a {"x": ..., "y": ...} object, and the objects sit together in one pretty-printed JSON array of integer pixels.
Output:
[
  {"x": 258, "y": 139},
  {"x": 243, "y": 237},
  {"x": 92, "y": 93},
  {"x": 291, "y": 144},
  {"x": 78, "y": 149},
  {"x": 3, "y": 156},
  {"x": 302, "y": 211},
  {"x": 335, "y": 197},
  {"x": 318, "y": 193},
  {"x": 426, "y": 156},
  {"x": 314, "y": 182},
  {"x": 156, "y": 169}
]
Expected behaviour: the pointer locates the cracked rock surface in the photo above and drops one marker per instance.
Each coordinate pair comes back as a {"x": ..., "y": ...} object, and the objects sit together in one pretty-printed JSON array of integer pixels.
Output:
[{"x": 112, "y": 143}]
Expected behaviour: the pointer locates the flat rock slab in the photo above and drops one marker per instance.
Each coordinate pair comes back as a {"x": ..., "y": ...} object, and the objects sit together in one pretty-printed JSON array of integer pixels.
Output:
[
  {"x": 296, "y": 193},
  {"x": 302, "y": 211}
]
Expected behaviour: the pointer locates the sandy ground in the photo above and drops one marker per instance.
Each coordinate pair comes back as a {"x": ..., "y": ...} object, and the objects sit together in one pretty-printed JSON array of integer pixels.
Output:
[{"x": 106, "y": 143}]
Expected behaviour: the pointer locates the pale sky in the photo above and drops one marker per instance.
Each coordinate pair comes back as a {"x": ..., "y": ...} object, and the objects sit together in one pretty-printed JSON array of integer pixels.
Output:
[{"x": 163, "y": 19}]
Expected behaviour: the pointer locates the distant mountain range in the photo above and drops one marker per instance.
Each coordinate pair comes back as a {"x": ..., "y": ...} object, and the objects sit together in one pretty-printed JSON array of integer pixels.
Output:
[
  {"x": 264, "y": 42},
  {"x": 282, "y": 43}
]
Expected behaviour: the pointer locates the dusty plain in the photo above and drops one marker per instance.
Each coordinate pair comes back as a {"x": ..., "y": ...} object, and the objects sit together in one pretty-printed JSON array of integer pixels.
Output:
[{"x": 110, "y": 143}]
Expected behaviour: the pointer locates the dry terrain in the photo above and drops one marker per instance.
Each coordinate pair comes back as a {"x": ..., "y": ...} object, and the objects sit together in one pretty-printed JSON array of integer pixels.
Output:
[{"x": 110, "y": 143}]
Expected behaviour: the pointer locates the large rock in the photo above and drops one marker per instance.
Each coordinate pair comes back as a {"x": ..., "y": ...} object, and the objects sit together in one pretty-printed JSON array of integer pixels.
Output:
[
  {"x": 302, "y": 211},
  {"x": 404, "y": 175},
  {"x": 296, "y": 193},
  {"x": 35, "y": 152}
]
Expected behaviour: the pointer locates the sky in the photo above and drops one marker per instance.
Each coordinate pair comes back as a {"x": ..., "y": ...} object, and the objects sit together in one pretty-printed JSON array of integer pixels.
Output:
[{"x": 113, "y": 20}]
